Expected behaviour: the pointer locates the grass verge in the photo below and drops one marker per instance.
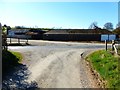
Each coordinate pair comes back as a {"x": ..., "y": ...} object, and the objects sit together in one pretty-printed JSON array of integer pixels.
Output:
[
  {"x": 18, "y": 55},
  {"x": 10, "y": 59},
  {"x": 119, "y": 50},
  {"x": 107, "y": 65}
]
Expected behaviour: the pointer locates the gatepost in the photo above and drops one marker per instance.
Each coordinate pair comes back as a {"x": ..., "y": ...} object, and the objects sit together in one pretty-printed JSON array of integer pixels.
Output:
[{"x": 0, "y": 56}]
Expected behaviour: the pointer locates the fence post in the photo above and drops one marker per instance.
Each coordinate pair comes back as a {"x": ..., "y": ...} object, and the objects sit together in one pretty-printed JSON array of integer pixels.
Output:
[
  {"x": 18, "y": 40},
  {"x": 10, "y": 40},
  {"x": 27, "y": 41}
]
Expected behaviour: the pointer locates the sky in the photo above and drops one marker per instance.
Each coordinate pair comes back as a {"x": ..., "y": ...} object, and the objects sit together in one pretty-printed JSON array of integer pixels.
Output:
[{"x": 58, "y": 14}]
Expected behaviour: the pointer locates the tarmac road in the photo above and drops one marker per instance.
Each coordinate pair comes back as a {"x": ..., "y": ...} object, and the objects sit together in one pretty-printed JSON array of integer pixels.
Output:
[{"x": 57, "y": 64}]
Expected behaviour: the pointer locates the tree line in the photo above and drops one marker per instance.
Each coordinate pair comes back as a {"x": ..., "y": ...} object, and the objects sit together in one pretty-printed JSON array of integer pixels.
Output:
[{"x": 109, "y": 26}]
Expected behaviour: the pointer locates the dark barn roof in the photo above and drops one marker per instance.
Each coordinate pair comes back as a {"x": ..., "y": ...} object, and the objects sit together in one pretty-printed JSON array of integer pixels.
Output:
[{"x": 79, "y": 31}]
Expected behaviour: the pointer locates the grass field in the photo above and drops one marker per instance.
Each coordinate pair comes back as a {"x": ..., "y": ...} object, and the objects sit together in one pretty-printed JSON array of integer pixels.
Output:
[{"x": 107, "y": 65}]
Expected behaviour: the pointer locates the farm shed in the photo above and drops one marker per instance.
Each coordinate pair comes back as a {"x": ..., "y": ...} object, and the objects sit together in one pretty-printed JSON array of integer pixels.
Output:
[
  {"x": 75, "y": 34},
  {"x": 18, "y": 33}
]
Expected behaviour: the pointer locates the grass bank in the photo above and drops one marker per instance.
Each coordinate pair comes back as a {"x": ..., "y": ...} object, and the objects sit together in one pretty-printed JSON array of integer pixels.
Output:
[
  {"x": 10, "y": 59},
  {"x": 119, "y": 50},
  {"x": 107, "y": 65}
]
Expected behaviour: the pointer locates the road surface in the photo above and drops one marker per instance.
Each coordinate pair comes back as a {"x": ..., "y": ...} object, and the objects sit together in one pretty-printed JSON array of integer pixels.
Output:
[{"x": 49, "y": 64}]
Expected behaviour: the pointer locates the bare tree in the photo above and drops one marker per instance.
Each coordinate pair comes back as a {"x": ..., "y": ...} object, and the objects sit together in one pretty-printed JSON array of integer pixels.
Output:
[
  {"x": 93, "y": 25},
  {"x": 108, "y": 26}
]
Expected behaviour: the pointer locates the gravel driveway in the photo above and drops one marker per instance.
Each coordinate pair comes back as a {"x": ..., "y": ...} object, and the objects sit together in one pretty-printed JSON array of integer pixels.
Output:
[{"x": 55, "y": 65}]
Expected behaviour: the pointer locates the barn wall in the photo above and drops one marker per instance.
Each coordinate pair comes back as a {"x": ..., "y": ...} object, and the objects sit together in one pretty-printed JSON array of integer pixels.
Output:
[
  {"x": 37, "y": 37},
  {"x": 72, "y": 37}
]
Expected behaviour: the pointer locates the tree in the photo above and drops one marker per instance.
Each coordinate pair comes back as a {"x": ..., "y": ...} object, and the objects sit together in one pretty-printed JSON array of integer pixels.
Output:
[
  {"x": 93, "y": 25},
  {"x": 117, "y": 31},
  {"x": 20, "y": 27},
  {"x": 4, "y": 29},
  {"x": 118, "y": 25},
  {"x": 4, "y": 37},
  {"x": 108, "y": 26},
  {"x": 8, "y": 27}
]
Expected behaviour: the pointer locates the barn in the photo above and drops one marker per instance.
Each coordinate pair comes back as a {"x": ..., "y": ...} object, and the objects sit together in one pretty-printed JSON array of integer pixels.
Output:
[{"x": 75, "y": 34}]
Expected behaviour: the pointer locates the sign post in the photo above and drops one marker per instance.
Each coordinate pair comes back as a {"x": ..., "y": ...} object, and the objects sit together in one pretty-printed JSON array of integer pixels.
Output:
[
  {"x": 106, "y": 45},
  {"x": 108, "y": 37},
  {"x": 105, "y": 38}
]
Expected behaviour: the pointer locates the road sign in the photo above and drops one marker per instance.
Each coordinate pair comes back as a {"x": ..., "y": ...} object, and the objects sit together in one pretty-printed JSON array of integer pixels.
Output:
[
  {"x": 108, "y": 37},
  {"x": 112, "y": 37},
  {"x": 104, "y": 37}
]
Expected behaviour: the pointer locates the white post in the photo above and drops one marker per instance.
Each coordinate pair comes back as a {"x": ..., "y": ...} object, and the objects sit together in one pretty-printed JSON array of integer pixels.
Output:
[
  {"x": 113, "y": 43},
  {"x": 115, "y": 49}
]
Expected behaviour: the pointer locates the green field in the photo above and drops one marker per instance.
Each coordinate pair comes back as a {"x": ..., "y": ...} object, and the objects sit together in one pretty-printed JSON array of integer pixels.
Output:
[{"x": 107, "y": 65}]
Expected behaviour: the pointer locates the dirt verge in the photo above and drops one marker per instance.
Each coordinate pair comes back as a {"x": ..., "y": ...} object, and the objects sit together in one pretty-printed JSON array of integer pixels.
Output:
[{"x": 99, "y": 82}]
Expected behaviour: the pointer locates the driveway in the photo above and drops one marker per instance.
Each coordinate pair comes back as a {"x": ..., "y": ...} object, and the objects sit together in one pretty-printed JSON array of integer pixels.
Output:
[{"x": 57, "y": 64}]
